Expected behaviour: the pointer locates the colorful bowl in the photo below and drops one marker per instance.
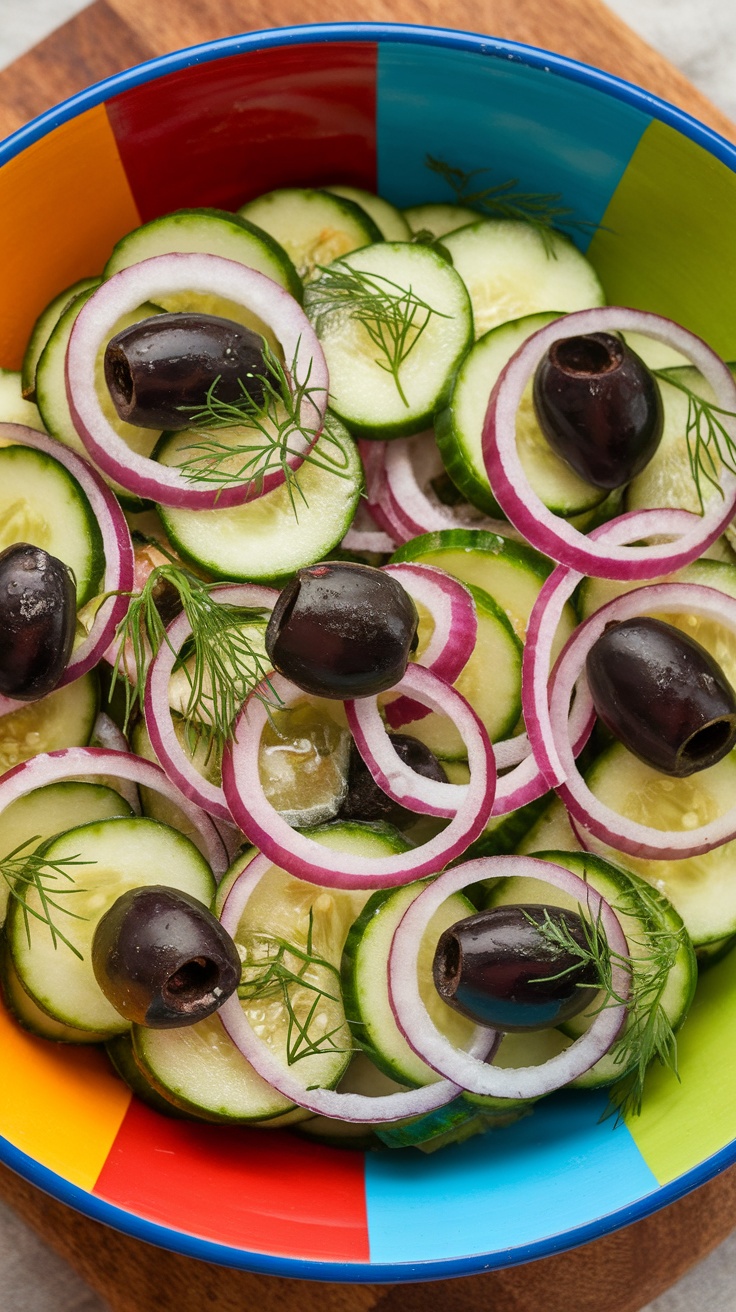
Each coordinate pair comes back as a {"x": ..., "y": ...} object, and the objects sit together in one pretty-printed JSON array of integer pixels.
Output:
[{"x": 364, "y": 104}]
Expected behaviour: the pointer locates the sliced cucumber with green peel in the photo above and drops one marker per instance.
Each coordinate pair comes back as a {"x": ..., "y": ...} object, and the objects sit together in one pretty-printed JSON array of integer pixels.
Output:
[
  {"x": 551, "y": 831},
  {"x": 390, "y": 222},
  {"x": 497, "y": 701},
  {"x": 14, "y": 409},
  {"x": 362, "y": 1077},
  {"x": 644, "y": 915},
  {"x": 266, "y": 540},
  {"x": 411, "y": 299},
  {"x": 504, "y": 833},
  {"x": 65, "y": 718},
  {"x": 511, "y": 270},
  {"x": 365, "y": 983},
  {"x": 28, "y": 1013},
  {"x": 46, "y": 811},
  {"x": 120, "y": 1052},
  {"x": 110, "y": 857},
  {"x": 439, "y": 219},
  {"x": 459, "y": 429},
  {"x": 42, "y": 330},
  {"x": 709, "y": 954},
  {"x": 41, "y": 503},
  {"x": 702, "y": 888},
  {"x": 313, "y": 227}
]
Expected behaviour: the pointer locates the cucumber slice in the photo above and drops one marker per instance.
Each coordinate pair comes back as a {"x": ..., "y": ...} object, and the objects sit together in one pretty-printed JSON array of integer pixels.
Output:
[
  {"x": 390, "y": 222},
  {"x": 496, "y": 701},
  {"x": 702, "y": 888},
  {"x": 365, "y": 984},
  {"x": 29, "y": 1015},
  {"x": 51, "y": 394},
  {"x": 266, "y": 540},
  {"x": 709, "y": 954},
  {"x": 14, "y": 409},
  {"x": 208, "y": 232},
  {"x": 379, "y": 394},
  {"x": 439, "y": 219},
  {"x": 550, "y": 832},
  {"x": 154, "y": 804},
  {"x": 510, "y": 271},
  {"x": 118, "y": 855},
  {"x": 361, "y": 1077},
  {"x": 644, "y": 913},
  {"x": 120, "y": 1052},
  {"x": 313, "y": 227},
  {"x": 42, "y": 330},
  {"x": 64, "y": 718},
  {"x": 525, "y": 1049},
  {"x": 41, "y": 503},
  {"x": 504, "y": 833},
  {"x": 459, "y": 429},
  {"x": 45, "y": 812},
  {"x": 511, "y": 572}
]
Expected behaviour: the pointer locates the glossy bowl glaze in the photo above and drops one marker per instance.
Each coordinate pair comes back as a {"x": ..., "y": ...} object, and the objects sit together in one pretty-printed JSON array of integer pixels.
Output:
[{"x": 215, "y": 126}]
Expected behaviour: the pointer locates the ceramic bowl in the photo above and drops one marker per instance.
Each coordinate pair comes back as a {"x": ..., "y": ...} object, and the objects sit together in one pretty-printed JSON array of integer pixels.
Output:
[{"x": 365, "y": 104}]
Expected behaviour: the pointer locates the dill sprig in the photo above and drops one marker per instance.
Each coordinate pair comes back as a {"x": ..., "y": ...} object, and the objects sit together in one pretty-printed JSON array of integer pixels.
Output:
[
  {"x": 29, "y": 871},
  {"x": 710, "y": 446},
  {"x": 543, "y": 210},
  {"x": 393, "y": 316},
  {"x": 290, "y": 973},
  {"x": 648, "y": 1033},
  {"x": 282, "y": 421},
  {"x": 220, "y": 661}
]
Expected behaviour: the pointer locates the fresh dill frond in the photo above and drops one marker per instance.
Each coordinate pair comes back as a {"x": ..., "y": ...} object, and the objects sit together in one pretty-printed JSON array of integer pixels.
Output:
[
  {"x": 648, "y": 1033},
  {"x": 290, "y": 974},
  {"x": 221, "y": 662},
  {"x": 283, "y": 422},
  {"x": 543, "y": 210},
  {"x": 29, "y": 871},
  {"x": 710, "y": 446},
  {"x": 394, "y": 317}
]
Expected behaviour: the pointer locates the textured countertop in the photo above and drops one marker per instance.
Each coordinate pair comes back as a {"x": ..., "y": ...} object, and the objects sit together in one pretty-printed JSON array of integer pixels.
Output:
[{"x": 699, "y": 37}]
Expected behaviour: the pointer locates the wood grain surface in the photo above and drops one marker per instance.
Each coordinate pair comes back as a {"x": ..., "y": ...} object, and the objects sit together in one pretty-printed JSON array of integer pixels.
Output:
[{"x": 626, "y": 1270}]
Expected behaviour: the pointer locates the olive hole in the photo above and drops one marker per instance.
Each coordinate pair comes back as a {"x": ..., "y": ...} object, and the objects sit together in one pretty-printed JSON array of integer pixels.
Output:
[
  {"x": 449, "y": 961},
  {"x": 193, "y": 980},
  {"x": 587, "y": 355},
  {"x": 710, "y": 742}
]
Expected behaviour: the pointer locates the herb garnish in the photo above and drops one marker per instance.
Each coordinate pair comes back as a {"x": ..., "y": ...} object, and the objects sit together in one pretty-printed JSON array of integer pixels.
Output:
[
  {"x": 29, "y": 871},
  {"x": 290, "y": 973},
  {"x": 543, "y": 210},
  {"x": 648, "y": 1032},
  {"x": 282, "y": 422},
  {"x": 709, "y": 443},
  {"x": 221, "y": 662},
  {"x": 393, "y": 316}
]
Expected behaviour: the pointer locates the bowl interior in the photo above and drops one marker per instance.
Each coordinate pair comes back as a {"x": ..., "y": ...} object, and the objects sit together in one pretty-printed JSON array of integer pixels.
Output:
[{"x": 655, "y": 196}]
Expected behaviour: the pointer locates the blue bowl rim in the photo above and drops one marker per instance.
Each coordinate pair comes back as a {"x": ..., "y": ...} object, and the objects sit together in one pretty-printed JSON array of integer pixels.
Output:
[{"x": 49, "y": 1181}]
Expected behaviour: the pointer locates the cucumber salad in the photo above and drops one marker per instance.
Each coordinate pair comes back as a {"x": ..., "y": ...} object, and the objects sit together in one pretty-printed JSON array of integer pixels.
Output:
[{"x": 367, "y": 711}]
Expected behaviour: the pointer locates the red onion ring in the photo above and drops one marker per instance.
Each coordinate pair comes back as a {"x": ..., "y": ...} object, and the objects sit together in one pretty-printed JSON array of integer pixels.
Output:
[
  {"x": 372, "y": 455},
  {"x": 106, "y": 733},
  {"x": 628, "y": 835},
  {"x": 353, "y": 1107},
  {"x": 80, "y": 762},
  {"x": 409, "y": 465},
  {"x": 544, "y": 620},
  {"x": 157, "y": 710},
  {"x": 420, "y": 1032},
  {"x": 147, "y": 281},
  {"x": 449, "y": 649},
  {"x": 365, "y": 535},
  {"x": 555, "y": 536},
  {"x": 116, "y": 544},
  {"x": 300, "y": 855}
]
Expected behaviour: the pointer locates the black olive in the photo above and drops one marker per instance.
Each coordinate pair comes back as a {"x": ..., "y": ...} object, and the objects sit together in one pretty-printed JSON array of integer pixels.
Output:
[
  {"x": 498, "y": 969},
  {"x": 599, "y": 408},
  {"x": 366, "y": 801},
  {"x": 662, "y": 695},
  {"x": 342, "y": 630},
  {"x": 162, "y": 959},
  {"x": 159, "y": 367},
  {"x": 38, "y": 611}
]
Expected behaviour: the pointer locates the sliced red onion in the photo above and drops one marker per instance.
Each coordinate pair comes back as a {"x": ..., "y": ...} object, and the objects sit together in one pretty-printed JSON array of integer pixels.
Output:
[
  {"x": 555, "y": 536},
  {"x": 116, "y": 544},
  {"x": 616, "y": 830},
  {"x": 81, "y": 762},
  {"x": 305, "y": 858},
  {"x": 106, "y": 733},
  {"x": 161, "y": 276},
  {"x": 449, "y": 649},
  {"x": 545, "y": 618},
  {"x": 365, "y": 535},
  {"x": 465, "y": 1068},
  {"x": 353, "y": 1107},
  {"x": 157, "y": 709},
  {"x": 410, "y": 464},
  {"x": 372, "y": 455}
]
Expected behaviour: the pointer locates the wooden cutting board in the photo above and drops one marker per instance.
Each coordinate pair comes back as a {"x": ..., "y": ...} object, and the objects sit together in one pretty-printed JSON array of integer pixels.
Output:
[{"x": 626, "y": 1270}]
